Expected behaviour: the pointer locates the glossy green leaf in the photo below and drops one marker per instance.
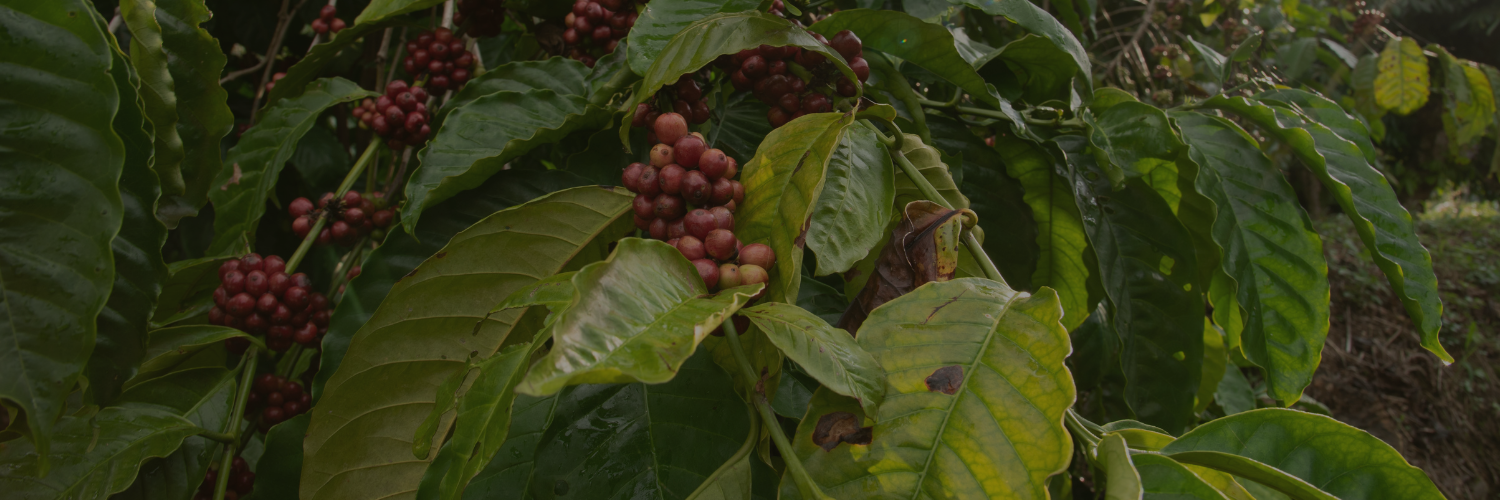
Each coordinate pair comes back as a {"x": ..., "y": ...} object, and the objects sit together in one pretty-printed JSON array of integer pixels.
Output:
[
  {"x": 1295, "y": 58},
  {"x": 1273, "y": 257},
  {"x": 379, "y": 10},
  {"x": 782, "y": 183},
  {"x": 1138, "y": 435},
  {"x": 60, "y": 203},
  {"x": 929, "y": 163},
  {"x": 1328, "y": 114},
  {"x": 156, "y": 89},
  {"x": 828, "y": 354},
  {"x": 168, "y": 348},
  {"x": 856, "y": 202},
  {"x": 187, "y": 290},
  {"x": 195, "y": 61},
  {"x": 481, "y": 424},
  {"x": 122, "y": 324},
  {"x": 703, "y": 41},
  {"x": 255, "y": 163},
  {"x": 1264, "y": 480},
  {"x": 1234, "y": 393},
  {"x": 732, "y": 481},
  {"x": 1343, "y": 461},
  {"x": 401, "y": 252},
  {"x": 201, "y": 395},
  {"x": 1165, "y": 479},
  {"x": 508, "y": 474},
  {"x": 1137, "y": 141},
  {"x": 635, "y": 318},
  {"x": 561, "y": 75},
  {"x": 1468, "y": 103},
  {"x": 743, "y": 127},
  {"x": 299, "y": 77},
  {"x": 1215, "y": 361},
  {"x": 477, "y": 141},
  {"x": 1033, "y": 69},
  {"x": 1384, "y": 226},
  {"x": 660, "y": 21},
  {"x": 1060, "y": 238},
  {"x": 1401, "y": 85},
  {"x": 1148, "y": 271},
  {"x": 1121, "y": 479},
  {"x": 1040, "y": 23},
  {"x": 1217, "y": 65},
  {"x": 555, "y": 292},
  {"x": 430, "y": 322},
  {"x": 924, "y": 44},
  {"x": 655, "y": 441},
  {"x": 277, "y": 471},
  {"x": 92, "y": 457},
  {"x": 973, "y": 371}
]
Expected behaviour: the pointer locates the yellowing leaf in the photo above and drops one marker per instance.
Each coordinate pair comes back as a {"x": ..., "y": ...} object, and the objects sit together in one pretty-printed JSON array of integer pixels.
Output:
[{"x": 1402, "y": 83}]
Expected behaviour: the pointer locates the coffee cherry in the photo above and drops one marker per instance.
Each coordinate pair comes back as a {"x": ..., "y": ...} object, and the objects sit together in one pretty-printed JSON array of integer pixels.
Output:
[
  {"x": 267, "y": 303},
  {"x": 688, "y": 150},
  {"x": 643, "y": 224},
  {"x": 739, "y": 193},
  {"x": 696, "y": 188},
  {"x": 847, "y": 44},
  {"x": 240, "y": 305},
  {"x": 631, "y": 175},
  {"x": 296, "y": 298},
  {"x": 658, "y": 229},
  {"x": 649, "y": 182},
  {"x": 669, "y": 127},
  {"x": 256, "y": 283},
  {"x": 721, "y": 192},
  {"x": 709, "y": 271},
  {"x": 691, "y": 247},
  {"x": 299, "y": 207},
  {"x": 644, "y": 206},
  {"x": 758, "y": 254},
  {"x": 861, "y": 68},
  {"x": 720, "y": 244},
  {"x": 723, "y": 218},
  {"x": 713, "y": 163},
  {"x": 272, "y": 265},
  {"x": 662, "y": 155},
  {"x": 307, "y": 335},
  {"x": 729, "y": 275},
  {"x": 676, "y": 229},
  {"x": 669, "y": 207},
  {"x": 751, "y": 274},
  {"x": 227, "y": 266},
  {"x": 671, "y": 179},
  {"x": 233, "y": 282},
  {"x": 272, "y": 415}
]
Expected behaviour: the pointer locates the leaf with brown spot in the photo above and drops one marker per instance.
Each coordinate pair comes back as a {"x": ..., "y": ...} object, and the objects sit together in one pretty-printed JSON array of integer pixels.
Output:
[
  {"x": 947, "y": 379},
  {"x": 922, "y": 249},
  {"x": 837, "y": 427},
  {"x": 828, "y": 354}
]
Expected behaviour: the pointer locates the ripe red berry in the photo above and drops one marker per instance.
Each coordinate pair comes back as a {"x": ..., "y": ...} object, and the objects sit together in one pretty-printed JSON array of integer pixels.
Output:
[
  {"x": 240, "y": 305},
  {"x": 281, "y": 315},
  {"x": 307, "y": 335},
  {"x": 319, "y": 26},
  {"x": 729, "y": 275},
  {"x": 722, "y": 192},
  {"x": 233, "y": 282},
  {"x": 272, "y": 265},
  {"x": 861, "y": 68},
  {"x": 699, "y": 223},
  {"x": 341, "y": 231},
  {"x": 227, "y": 266},
  {"x": 642, "y": 110},
  {"x": 713, "y": 163},
  {"x": 691, "y": 247},
  {"x": 632, "y": 174},
  {"x": 643, "y": 224},
  {"x": 644, "y": 206},
  {"x": 688, "y": 150},
  {"x": 671, "y": 178},
  {"x": 675, "y": 229},
  {"x": 266, "y": 382},
  {"x": 337, "y": 25},
  {"x": 669, "y": 127},
  {"x": 720, "y": 244},
  {"x": 256, "y": 283},
  {"x": 266, "y": 304},
  {"x": 393, "y": 89},
  {"x": 847, "y": 44},
  {"x": 695, "y": 188},
  {"x": 318, "y": 301},
  {"x": 354, "y": 216},
  {"x": 299, "y": 207},
  {"x": 662, "y": 155},
  {"x": 739, "y": 192},
  {"x": 709, "y": 271},
  {"x": 754, "y": 66},
  {"x": 669, "y": 207},
  {"x": 295, "y": 298},
  {"x": 251, "y": 262},
  {"x": 649, "y": 183},
  {"x": 658, "y": 229},
  {"x": 758, "y": 254},
  {"x": 382, "y": 218},
  {"x": 723, "y": 218},
  {"x": 216, "y": 316},
  {"x": 272, "y": 415}
]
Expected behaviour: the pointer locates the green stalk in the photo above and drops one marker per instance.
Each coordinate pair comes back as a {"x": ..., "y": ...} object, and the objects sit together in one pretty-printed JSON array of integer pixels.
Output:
[
  {"x": 805, "y": 484},
  {"x": 349, "y": 178},
  {"x": 990, "y": 113},
  {"x": 231, "y": 428},
  {"x": 1075, "y": 424}
]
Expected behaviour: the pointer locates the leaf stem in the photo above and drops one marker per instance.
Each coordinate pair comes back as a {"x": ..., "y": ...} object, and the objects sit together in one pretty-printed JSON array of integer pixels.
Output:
[
  {"x": 975, "y": 249},
  {"x": 1075, "y": 424},
  {"x": 232, "y": 427},
  {"x": 312, "y": 234},
  {"x": 218, "y": 436},
  {"x": 805, "y": 484}
]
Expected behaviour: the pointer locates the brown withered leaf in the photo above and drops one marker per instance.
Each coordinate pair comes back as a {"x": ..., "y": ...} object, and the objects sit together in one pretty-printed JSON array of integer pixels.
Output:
[{"x": 923, "y": 248}]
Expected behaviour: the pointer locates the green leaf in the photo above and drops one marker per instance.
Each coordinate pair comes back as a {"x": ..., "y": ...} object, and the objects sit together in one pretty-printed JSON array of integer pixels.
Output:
[
  {"x": 973, "y": 369},
  {"x": 561, "y": 75},
  {"x": 122, "y": 324},
  {"x": 664, "y": 19},
  {"x": 743, "y": 127},
  {"x": 1343, "y": 461},
  {"x": 402, "y": 252},
  {"x": 1215, "y": 361},
  {"x": 321, "y": 159},
  {"x": 380, "y": 10},
  {"x": 1060, "y": 238},
  {"x": 995, "y": 197},
  {"x": 203, "y": 118},
  {"x": 1032, "y": 69},
  {"x": 840, "y": 425},
  {"x": 477, "y": 141},
  {"x": 1469, "y": 105},
  {"x": 1234, "y": 393},
  {"x": 481, "y": 425},
  {"x": 1040, "y": 23},
  {"x": 1273, "y": 257},
  {"x": 201, "y": 395},
  {"x": 1121, "y": 479},
  {"x": 310, "y": 68},
  {"x": 156, "y": 89},
  {"x": 95, "y": 456},
  {"x": 430, "y": 322},
  {"x": 732, "y": 481},
  {"x": 1135, "y": 140},
  {"x": 828, "y": 354},
  {"x": 706, "y": 39},
  {"x": 168, "y": 348},
  {"x": 929, "y": 163},
  {"x": 1264, "y": 480},
  {"x": 1218, "y": 66},
  {"x": 858, "y": 196},
  {"x": 636, "y": 317},
  {"x": 656, "y": 441},
  {"x": 1148, "y": 270},
  {"x": 60, "y": 204},
  {"x": 1328, "y": 114},
  {"x": 277, "y": 471},
  {"x": 1294, "y": 59},
  {"x": 255, "y": 162},
  {"x": 924, "y": 44},
  {"x": 1165, "y": 479},
  {"x": 782, "y": 183},
  {"x": 185, "y": 291},
  {"x": 555, "y": 292},
  {"x": 1384, "y": 226},
  {"x": 1402, "y": 82},
  {"x": 508, "y": 474}
]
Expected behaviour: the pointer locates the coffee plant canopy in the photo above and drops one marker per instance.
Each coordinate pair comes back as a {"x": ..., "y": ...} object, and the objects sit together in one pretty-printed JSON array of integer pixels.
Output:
[{"x": 696, "y": 249}]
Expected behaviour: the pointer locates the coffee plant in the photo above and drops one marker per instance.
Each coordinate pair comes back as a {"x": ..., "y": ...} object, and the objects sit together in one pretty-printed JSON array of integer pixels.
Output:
[{"x": 675, "y": 249}]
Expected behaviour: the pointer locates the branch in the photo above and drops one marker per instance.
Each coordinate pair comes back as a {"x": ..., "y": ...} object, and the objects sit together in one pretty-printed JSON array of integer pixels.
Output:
[
  {"x": 283, "y": 22},
  {"x": 231, "y": 428},
  {"x": 805, "y": 483}
]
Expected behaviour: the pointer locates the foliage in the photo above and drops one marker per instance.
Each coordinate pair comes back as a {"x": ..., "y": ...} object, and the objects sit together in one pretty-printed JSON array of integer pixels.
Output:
[{"x": 966, "y": 232}]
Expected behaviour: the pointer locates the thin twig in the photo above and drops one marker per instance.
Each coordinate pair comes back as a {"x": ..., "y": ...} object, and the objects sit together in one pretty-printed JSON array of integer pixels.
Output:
[
  {"x": 400, "y": 50},
  {"x": 284, "y": 21},
  {"x": 380, "y": 58},
  {"x": 1136, "y": 38}
]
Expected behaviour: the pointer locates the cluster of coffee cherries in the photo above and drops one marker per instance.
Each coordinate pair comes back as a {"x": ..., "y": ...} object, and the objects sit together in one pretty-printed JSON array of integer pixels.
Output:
[
  {"x": 595, "y": 27},
  {"x": 274, "y": 78},
  {"x": 441, "y": 56},
  {"x": 241, "y": 482},
  {"x": 485, "y": 18},
  {"x": 255, "y": 295},
  {"x": 354, "y": 216},
  {"x": 276, "y": 400},
  {"x": 687, "y": 197},
  {"x": 768, "y": 73},
  {"x": 328, "y": 21},
  {"x": 687, "y": 101},
  {"x": 1368, "y": 22},
  {"x": 400, "y": 116}
]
